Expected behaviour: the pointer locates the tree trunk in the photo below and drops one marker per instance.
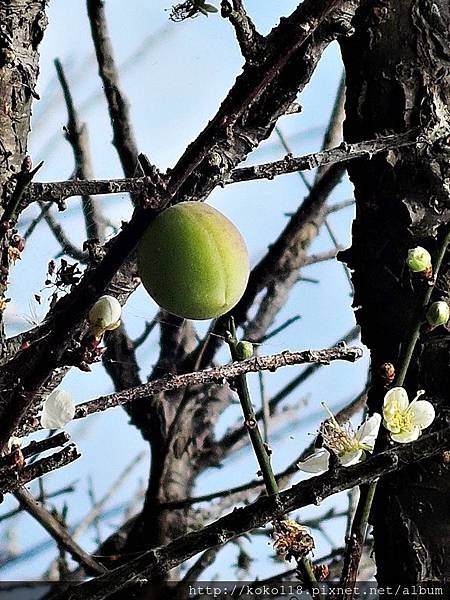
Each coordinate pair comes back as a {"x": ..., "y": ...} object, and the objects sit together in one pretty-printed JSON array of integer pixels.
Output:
[
  {"x": 397, "y": 69},
  {"x": 22, "y": 26}
]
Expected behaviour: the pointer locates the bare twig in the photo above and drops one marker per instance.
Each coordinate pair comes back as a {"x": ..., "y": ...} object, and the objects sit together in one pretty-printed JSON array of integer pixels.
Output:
[
  {"x": 39, "y": 468},
  {"x": 77, "y": 136},
  {"x": 56, "y": 530},
  {"x": 210, "y": 375},
  {"x": 67, "y": 246},
  {"x": 340, "y": 154},
  {"x": 124, "y": 139},
  {"x": 259, "y": 513},
  {"x": 69, "y": 489},
  {"x": 35, "y": 447},
  {"x": 250, "y": 41}
]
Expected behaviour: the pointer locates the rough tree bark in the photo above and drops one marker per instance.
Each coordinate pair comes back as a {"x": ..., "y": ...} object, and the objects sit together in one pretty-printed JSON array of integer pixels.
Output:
[
  {"x": 21, "y": 30},
  {"x": 397, "y": 69}
]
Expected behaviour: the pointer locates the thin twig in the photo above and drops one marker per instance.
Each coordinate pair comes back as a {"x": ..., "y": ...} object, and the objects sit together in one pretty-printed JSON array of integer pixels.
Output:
[
  {"x": 39, "y": 468},
  {"x": 77, "y": 136},
  {"x": 261, "y": 449},
  {"x": 56, "y": 530},
  {"x": 340, "y": 154},
  {"x": 255, "y": 515},
  {"x": 124, "y": 138},
  {"x": 210, "y": 375}
]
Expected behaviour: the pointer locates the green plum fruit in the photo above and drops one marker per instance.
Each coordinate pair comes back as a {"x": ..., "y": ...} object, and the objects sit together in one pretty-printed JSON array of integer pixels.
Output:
[{"x": 193, "y": 261}]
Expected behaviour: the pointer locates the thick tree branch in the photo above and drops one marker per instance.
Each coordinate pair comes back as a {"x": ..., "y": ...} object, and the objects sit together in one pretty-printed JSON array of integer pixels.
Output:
[{"x": 258, "y": 514}]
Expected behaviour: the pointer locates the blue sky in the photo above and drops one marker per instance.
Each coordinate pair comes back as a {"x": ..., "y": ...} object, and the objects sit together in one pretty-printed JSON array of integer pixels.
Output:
[{"x": 175, "y": 75}]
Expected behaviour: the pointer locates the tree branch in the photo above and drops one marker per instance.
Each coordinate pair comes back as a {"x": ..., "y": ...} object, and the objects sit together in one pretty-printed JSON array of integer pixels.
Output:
[
  {"x": 250, "y": 41},
  {"x": 77, "y": 136},
  {"x": 124, "y": 139},
  {"x": 144, "y": 185},
  {"x": 56, "y": 530},
  {"x": 210, "y": 375},
  {"x": 39, "y": 468},
  {"x": 313, "y": 491}
]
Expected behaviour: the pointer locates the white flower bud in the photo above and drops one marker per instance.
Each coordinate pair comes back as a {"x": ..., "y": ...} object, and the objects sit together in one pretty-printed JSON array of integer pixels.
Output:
[
  {"x": 105, "y": 315},
  {"x": 58, "y": 410},
  {"x": 418, "y": 259},
  {"x": 438, "y": 314}
]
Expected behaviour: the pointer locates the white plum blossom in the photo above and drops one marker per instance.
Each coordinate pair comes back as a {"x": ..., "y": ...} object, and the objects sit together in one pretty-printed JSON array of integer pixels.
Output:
[
  {"x": 105, "y": 315},
  {"x": 403, "y": 419},
  {"x": 58, "y": 410},
  {"x": 349, "y": 446}
]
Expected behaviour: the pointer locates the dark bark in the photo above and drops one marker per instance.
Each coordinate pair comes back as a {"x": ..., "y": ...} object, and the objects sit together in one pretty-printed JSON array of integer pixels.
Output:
[
  {"x": 22, "y": 28},
  {"x": 397, "y": 67}
]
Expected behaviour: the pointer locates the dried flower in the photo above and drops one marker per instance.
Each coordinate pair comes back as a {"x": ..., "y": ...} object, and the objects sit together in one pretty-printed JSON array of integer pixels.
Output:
[
  {"x": 13, "y": 443},
  {"x": 13, "y": 255},
  {"x": 58, "y": 410},
  {"x": 349, "y": 446},
  {"x": 418, "y": 259},
  {"x": 438, "y": 313},
  {"x": 105, "y": 315},
  {"x": 321, "y": 572},
  {"x": 403, "y": 419},
  {"x": 292, "y": 539}
]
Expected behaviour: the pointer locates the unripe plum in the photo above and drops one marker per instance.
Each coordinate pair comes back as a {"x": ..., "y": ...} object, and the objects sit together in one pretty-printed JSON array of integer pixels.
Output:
[{"x": 193, "y": 261}]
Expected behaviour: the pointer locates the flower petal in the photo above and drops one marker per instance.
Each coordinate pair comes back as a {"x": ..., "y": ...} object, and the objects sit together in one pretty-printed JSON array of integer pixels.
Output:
[
  {"x": 58, "y": 410},
  {"x": 406, "y": 436},
  {"x": 316, "y": 463},
  {"x": 390, "y": 427},
  {"x": 396, "y": 399},
  {"x": 368, "y": 431},
  {"x": 350, "y": 458},
  {"x": 422, "y": 413}
]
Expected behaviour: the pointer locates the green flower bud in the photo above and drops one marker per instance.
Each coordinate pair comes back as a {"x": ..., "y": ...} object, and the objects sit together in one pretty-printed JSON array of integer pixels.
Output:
[
  {"x": 438, "y": 314},
  {"x": 105, "y": 315},
  {"x": 193, "y": 261},
  {"x": 244, "y": 350},
  {"x": 418, "y": 259}
]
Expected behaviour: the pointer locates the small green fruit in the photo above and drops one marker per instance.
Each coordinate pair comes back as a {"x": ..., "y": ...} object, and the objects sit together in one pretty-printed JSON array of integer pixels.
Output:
[
  {"x": 193, "y": 261},
  {"x": 244, "y": 350}
]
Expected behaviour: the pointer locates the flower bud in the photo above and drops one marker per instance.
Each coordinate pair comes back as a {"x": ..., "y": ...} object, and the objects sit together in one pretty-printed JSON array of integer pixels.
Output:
[
  {"x": 418, "y": 259},
  {"x": 438, "y": 314},
  {"x": 58, "y": 410},
  {"x": 244, "y": 350},
  {"x": 105, "y": 315}
]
